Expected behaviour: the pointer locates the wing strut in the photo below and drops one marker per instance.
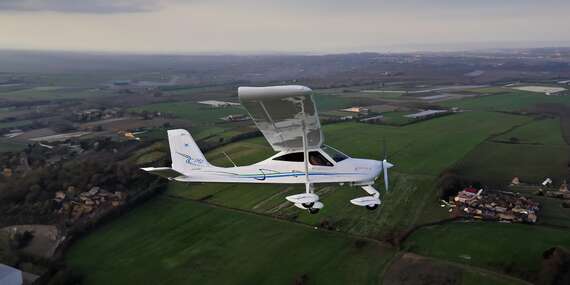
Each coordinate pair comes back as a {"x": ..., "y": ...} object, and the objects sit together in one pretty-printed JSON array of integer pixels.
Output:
[
  {"x": 308, "y": 187},
  {"x": 309, "y": 200}
]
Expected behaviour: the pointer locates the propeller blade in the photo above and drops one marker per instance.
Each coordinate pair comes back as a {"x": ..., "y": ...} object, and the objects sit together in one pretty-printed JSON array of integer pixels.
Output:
[
  {"x": 385, "y": 150},
  {"x": 385, "y": 170}
]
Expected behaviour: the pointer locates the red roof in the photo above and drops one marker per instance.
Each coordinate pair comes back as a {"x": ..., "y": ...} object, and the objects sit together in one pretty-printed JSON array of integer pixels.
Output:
[{"x": 470, "y": 190}]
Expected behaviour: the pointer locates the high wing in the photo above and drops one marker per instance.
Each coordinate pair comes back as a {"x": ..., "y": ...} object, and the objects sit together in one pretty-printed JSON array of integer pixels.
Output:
[{"x": 282, "y": 113}]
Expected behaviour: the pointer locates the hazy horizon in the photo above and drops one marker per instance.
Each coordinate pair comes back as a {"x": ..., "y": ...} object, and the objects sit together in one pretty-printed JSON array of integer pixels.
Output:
[{"x": 300, "y": 27}]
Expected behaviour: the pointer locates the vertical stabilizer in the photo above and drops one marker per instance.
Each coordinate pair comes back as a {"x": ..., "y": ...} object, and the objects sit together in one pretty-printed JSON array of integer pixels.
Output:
[{"x": 184, "y": 152}]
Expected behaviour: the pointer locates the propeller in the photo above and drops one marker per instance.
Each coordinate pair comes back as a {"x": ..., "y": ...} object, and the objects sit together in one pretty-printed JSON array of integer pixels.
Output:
[{"x": 385, "y": 166}]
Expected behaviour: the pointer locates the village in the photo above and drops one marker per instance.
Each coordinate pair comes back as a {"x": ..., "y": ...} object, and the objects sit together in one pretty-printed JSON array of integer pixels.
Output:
[
  {"x": 75, "y": 204},
  {"x": 494, "y": 206},
  {"x": 505, "y": 206}
]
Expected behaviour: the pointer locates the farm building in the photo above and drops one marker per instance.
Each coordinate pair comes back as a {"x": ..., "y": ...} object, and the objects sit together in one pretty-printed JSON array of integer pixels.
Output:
[
  {"x": 378, "y": 118},
  {"x": 10, "y": 275},
  {"x": 218, "y": 104},
  {"x": 425, "y": 114},
  {"x": 359, "y": 110},
  {"x": 235, "y": 118},
  {"x": 541, "y": 89}
]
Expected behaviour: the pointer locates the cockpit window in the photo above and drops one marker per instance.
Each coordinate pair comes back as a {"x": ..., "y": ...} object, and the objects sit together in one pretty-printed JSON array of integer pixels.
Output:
[
  {"x": 316, "y": 158},
  {"x": 334, "y": 154},
  {"x": 293, "y": 157}
]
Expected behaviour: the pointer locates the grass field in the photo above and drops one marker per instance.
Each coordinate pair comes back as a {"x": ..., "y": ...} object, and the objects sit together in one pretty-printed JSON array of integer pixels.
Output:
[
  {"x": 14, "y": 124},
  {"x": 506, "y": 247},
  {"x": 439, "y": 142},
  {"x": 6, "y": 146},
  {"x": 424, "y": 148},
  {"x": 498, "y": 163},
  {"x": 194, "y": 112},
  {"x": 543, "y": 132},
  {"x": 396, "y": 118},
  {"x": 174, "y": 241},
  {"x": 52, "y": 93},
  {"x": 512, "y": 101}
]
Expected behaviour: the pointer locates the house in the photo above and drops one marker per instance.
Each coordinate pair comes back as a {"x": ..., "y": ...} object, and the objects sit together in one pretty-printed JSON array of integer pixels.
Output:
[{"x": 10, "y": 275}]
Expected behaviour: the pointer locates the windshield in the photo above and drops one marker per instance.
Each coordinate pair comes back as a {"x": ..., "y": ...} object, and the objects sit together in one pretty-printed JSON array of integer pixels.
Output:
[{"x": 334, "y": 154}]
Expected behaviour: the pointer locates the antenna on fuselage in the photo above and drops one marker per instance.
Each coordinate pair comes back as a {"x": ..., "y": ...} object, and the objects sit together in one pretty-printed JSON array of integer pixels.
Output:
[{"x": 229, "y": 158}]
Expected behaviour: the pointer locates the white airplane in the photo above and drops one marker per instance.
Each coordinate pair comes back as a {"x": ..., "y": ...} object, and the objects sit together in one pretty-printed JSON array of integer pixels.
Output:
[{"x": 287, "y": 117}]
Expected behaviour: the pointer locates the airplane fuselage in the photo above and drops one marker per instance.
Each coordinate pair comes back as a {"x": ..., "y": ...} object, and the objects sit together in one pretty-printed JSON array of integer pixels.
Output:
[{"x": 273, "y": 170}]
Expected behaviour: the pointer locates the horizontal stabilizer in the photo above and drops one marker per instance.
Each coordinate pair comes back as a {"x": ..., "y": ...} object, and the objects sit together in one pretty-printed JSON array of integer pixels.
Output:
[{"x": 165, "y": 172}]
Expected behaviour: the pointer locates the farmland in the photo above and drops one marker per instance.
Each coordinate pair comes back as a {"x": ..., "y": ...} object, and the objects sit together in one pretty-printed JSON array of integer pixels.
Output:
[
  {"x": 192, "y": 243},
  {"x": 518, "y": 248},
  {"x": 510, "y": 101},
  {"x": 413, "y": 180},
  {"x": 195, "y": 112},
  {"x": 51, "y": 93},
  {"x": 469, "y": 142},
  {"x": 250, "y": 234}
]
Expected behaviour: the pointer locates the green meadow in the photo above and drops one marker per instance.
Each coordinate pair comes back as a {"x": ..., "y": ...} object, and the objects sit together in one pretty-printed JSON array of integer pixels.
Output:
[
  {"x": 197, "y": 233},
  {"x": 174, "y": 241},
  {"x": 507, "y": 247}
]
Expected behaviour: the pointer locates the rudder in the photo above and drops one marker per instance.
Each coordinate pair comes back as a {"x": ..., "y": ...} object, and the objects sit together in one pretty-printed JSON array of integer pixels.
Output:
[{"x": 184, "y": 151}]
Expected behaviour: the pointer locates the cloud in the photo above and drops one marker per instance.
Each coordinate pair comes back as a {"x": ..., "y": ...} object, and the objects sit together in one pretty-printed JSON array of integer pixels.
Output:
[{"x": 81, "y": 6}]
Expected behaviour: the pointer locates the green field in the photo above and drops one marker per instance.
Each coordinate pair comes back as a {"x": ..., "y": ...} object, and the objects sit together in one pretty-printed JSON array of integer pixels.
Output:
[
  {"x": 179, "y": 239},
  {"x": 426, "y": 147},
  {"x": 498, "y": 163},
  {"x": 194, "y": 112},
  {"x": 542, "y": 131},
  {"x": 14, "y": 124},
  {"x": 52, "y": 93},
  {"x": 439, "y": 142},
  {"x": 6, "y": 146},
  {"x": 193, "y": 243},
  {"x": 396, "y": 118},
  {"x": 506, "y": 247},
  {"x": 512, "y": 101},
  {"x": 174, "y": 241}
]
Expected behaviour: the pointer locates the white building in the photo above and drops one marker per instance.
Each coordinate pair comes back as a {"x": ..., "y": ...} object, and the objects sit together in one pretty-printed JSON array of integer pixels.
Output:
[
  {"x": 10, "y": 275},
  {"x": 218, "y": 104}
]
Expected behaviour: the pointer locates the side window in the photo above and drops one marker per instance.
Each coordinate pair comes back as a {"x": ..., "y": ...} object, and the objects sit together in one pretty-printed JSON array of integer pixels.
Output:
[
  {"x": 316, "y": 158},
  {"x": 293, "y": 157}
]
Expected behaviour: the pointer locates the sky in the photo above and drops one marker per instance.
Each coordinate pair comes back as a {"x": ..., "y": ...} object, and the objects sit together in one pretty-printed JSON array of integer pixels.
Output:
[{"x": 299, "y": 26}]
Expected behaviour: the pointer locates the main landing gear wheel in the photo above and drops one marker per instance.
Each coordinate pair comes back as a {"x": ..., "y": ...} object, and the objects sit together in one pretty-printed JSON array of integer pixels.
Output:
[
  {"x": 372, "y": 207},
  {"x": 314, "y": 210}
]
